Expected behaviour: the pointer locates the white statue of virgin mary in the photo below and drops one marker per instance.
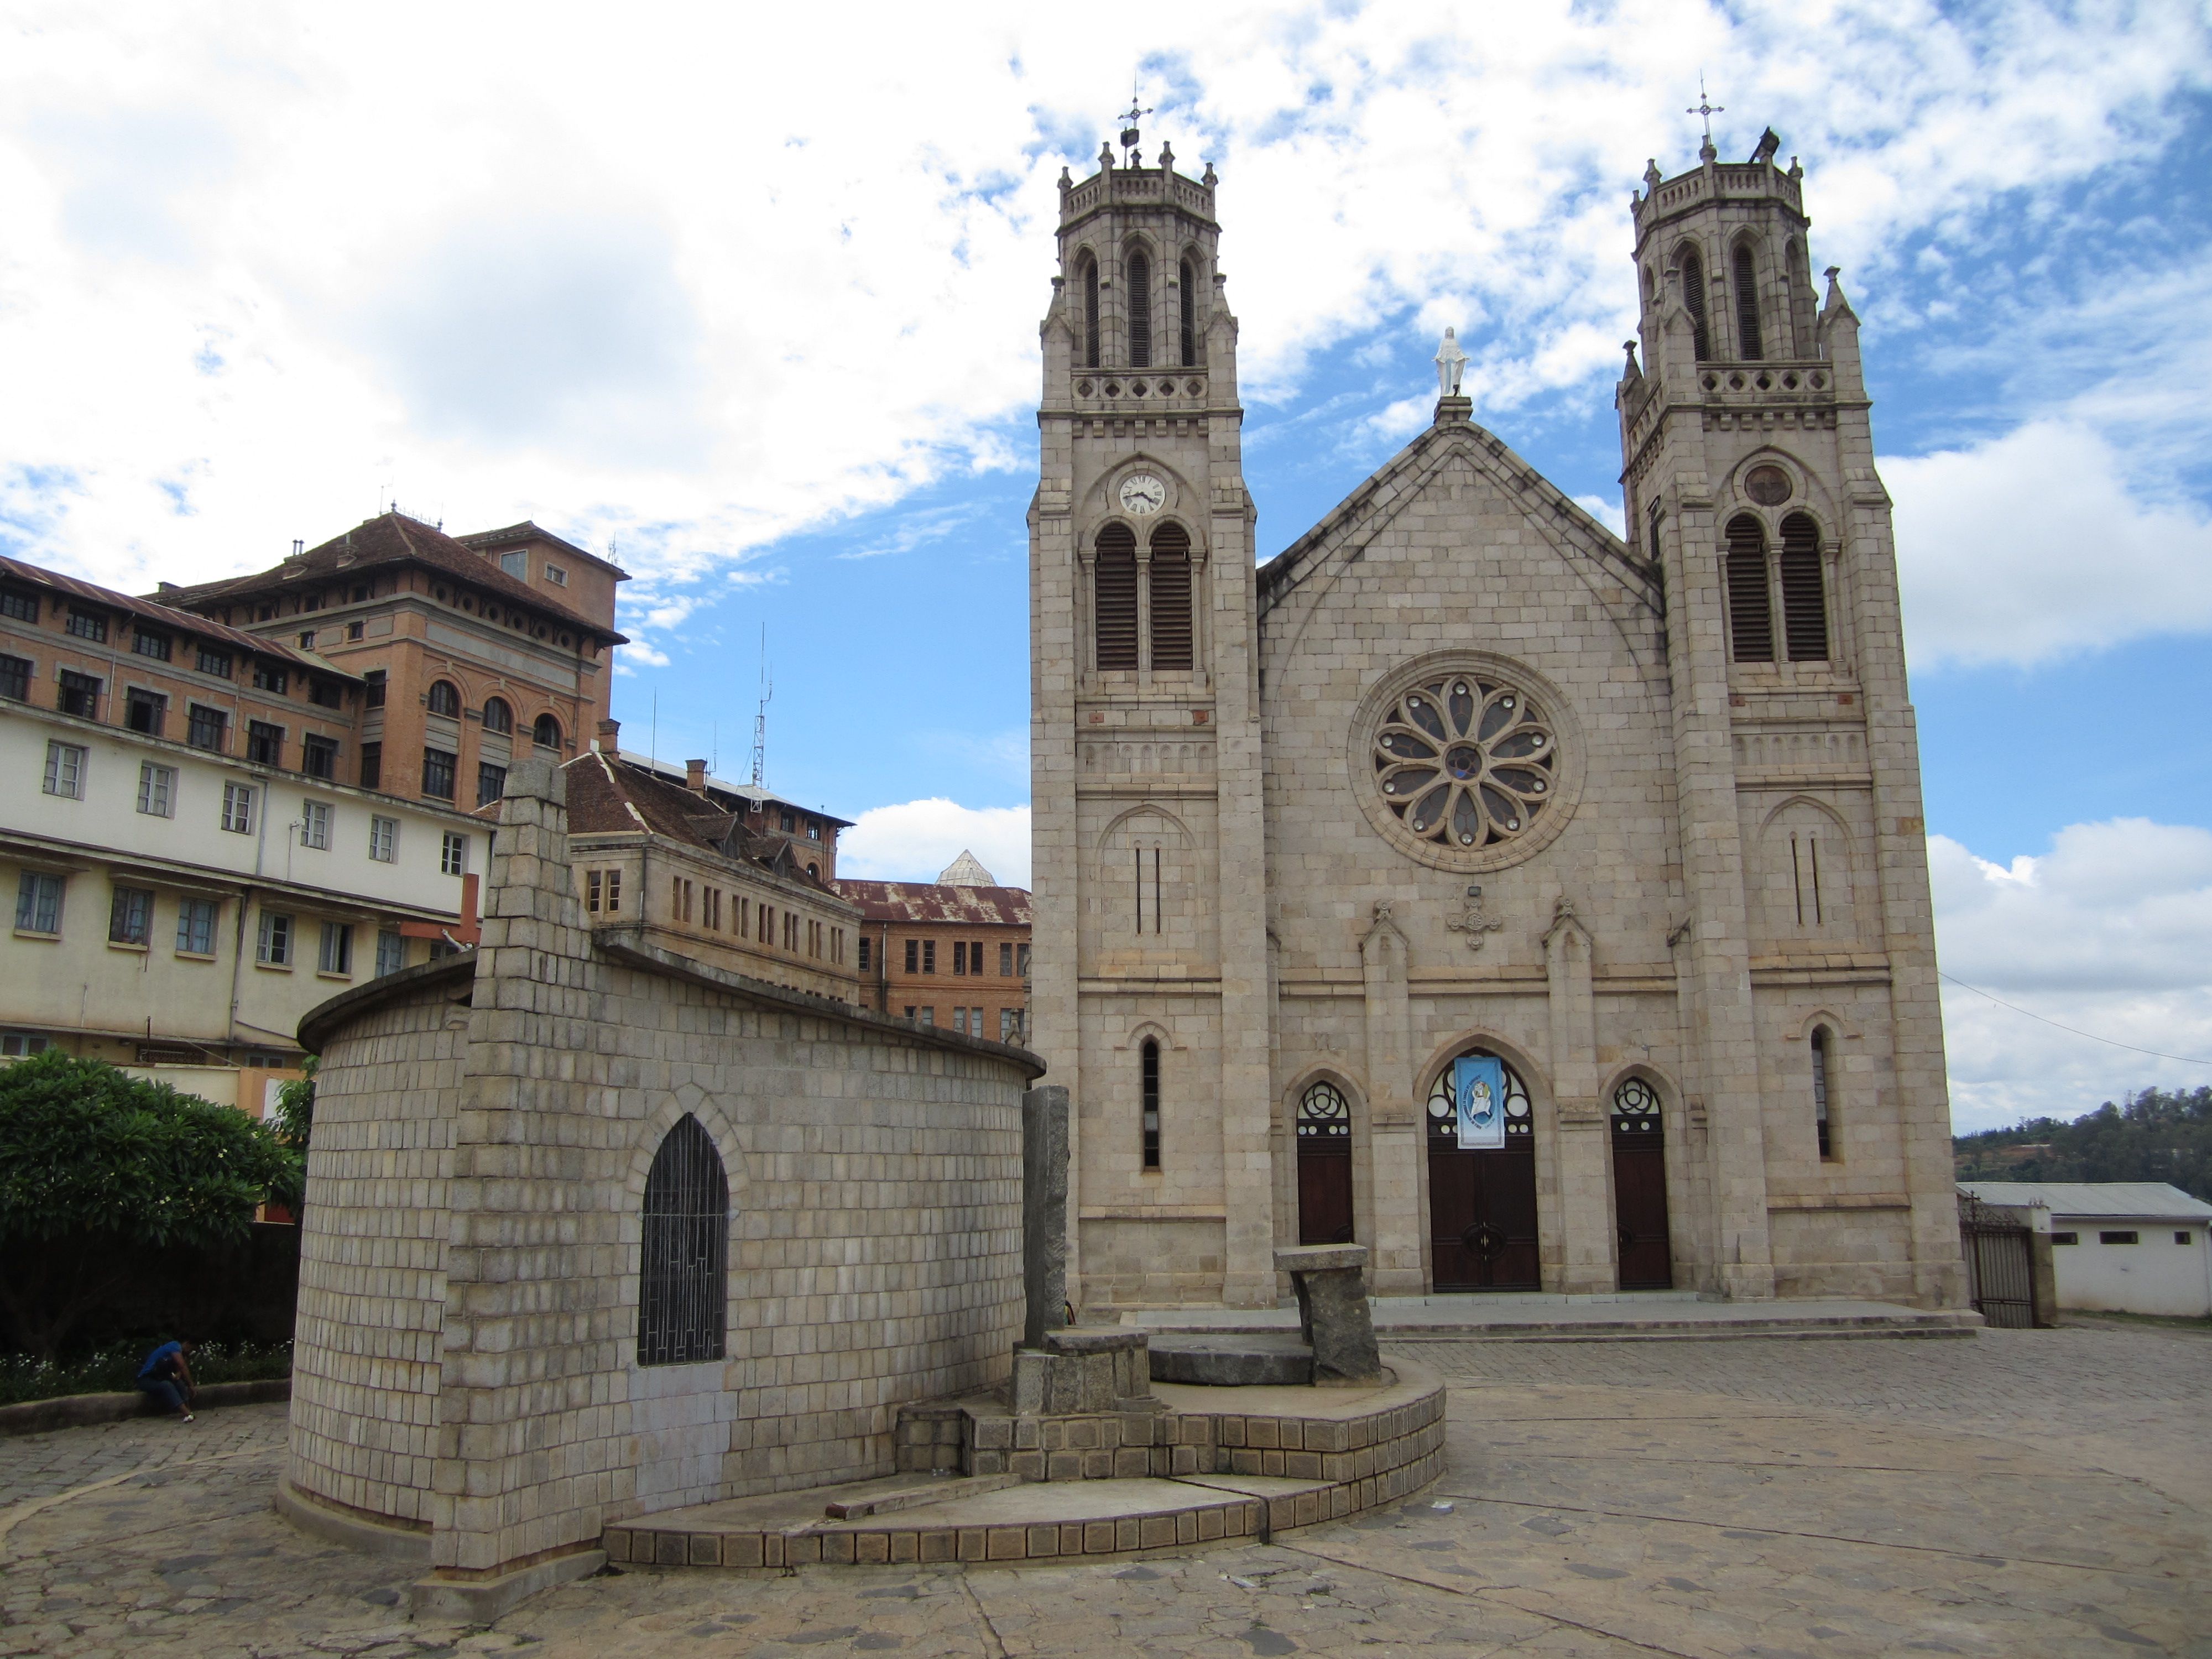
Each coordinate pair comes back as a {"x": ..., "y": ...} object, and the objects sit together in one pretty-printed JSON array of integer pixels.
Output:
[{"x": 1451, "y": 364}]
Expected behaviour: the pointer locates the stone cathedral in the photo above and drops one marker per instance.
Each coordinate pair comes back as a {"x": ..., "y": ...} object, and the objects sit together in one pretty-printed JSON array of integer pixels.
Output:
[{"x": 1460, "y": 773}]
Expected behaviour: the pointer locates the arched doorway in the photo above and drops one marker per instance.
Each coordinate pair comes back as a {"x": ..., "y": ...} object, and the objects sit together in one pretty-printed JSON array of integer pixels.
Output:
[
  {"x": 1324, "y": 1166},
  {"x": 1639, "y": 1187},
  {"x": 1482, "y": 1205}
]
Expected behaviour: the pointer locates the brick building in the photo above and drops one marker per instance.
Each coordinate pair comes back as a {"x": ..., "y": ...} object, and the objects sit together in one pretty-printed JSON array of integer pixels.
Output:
[
  {"x": 709, "y": 872},
  {"x": 952, "y": 952},
  {"x": 471, "y": 650},
  {"x": 192, "y": 862},
  {"x": 1460, "y": 787}
]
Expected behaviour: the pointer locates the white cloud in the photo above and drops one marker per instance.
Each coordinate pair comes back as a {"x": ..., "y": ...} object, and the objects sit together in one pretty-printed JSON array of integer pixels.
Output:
[
  {"x": 2105, "y": 933},
  {"x": 2034, "y": 545},
  {"x": 917, "y": 839},
  {"x": 263, "y": 262}
]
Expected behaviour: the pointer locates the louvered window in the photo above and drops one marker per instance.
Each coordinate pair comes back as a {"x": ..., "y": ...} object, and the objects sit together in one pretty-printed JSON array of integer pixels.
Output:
[
  {"x": 1747, "y": 306},
  {"x": 1186, "y": 303},
  {"x": 681, "y": 1299},
  {"x": 1140, "y": 311},
  {"x": 1693, "y": 296},
  {"x": 1115, "y": 597},
  {"x": 1751, "y": 617},
  {"x": 1171, "y": 598},
  {"x": 1090, "y": 313},
  {"x": 1804, "y": 600}
]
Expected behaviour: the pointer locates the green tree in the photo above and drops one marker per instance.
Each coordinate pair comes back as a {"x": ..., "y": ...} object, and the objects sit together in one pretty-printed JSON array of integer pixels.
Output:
[
  {"x": 295, "y": 1108},
  {"x": 97, "y": 1168},
  {"x": 2159, "y": 1135}
]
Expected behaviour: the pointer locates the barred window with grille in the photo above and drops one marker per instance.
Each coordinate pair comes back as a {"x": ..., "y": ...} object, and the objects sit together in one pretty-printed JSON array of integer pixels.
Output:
[{"x": 681, "y": 1299}]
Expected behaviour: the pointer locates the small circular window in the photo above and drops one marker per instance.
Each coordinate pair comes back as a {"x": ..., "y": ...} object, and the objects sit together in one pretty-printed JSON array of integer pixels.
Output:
[
  {"x": 1768, "y": 485},
  {"x": 1467, "y": 765}
]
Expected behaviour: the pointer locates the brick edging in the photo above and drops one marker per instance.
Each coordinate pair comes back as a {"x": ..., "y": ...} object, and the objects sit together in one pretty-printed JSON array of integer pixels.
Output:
[{"x": 73, "y": 1411}]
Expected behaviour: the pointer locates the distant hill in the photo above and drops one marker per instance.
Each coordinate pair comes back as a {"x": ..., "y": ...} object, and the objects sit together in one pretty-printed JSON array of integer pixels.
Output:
[{"x": 2155, "y": 1136}]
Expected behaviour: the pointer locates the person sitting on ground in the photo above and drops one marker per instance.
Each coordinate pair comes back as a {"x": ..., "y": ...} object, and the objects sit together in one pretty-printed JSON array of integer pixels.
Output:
[{"x": 167, "y": 1376}]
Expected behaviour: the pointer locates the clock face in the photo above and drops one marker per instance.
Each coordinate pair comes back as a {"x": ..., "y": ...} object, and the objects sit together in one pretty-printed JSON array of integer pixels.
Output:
[{"x": 1141, "y": 493}]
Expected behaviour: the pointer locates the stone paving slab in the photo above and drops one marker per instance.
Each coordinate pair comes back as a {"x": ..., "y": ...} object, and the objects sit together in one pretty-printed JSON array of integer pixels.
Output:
[
  {"x": 1666, "y": 1313},
  {"x": 1717, "y": 1501}
]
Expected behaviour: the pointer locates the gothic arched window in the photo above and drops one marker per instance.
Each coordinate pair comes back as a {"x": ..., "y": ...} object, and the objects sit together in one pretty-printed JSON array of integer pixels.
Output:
[
  {"x": 1114, "y": 594},
  {"x": 1693, "y": 296},
  {"x": 1188, "y": 304},
  {"x": 1804, "y": 598},
  {"x": 682, "y": 1300},
  {"x": 1171, "y": 643},
  {"x": 1141, "y": 311},
  {"x": 1150, "y": 1060},
  {"x": 1747, "y": 306},
  {"x": 497, "y": 716},
  {"x": 1823, "y": 1132},
  {"x": 1751, "y": 614},
  {"x": 1088, "y": 277}
]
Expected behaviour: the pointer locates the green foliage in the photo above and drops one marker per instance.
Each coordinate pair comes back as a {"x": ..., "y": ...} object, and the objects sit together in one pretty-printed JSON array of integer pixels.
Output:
[
  {"x": 114, "y": 1369},
  {"x": 86, "y": 1150},
  {"x": 295, "y": 1108},
  {"x": 2156, "y": 1135}
]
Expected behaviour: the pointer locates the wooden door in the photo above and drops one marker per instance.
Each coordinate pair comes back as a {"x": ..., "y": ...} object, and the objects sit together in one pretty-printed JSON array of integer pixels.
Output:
[
  {"x": 1324, "y": 1166},
  {"x": 1482, "y": 1205},
  {"x": 1639, "y": 1188}
]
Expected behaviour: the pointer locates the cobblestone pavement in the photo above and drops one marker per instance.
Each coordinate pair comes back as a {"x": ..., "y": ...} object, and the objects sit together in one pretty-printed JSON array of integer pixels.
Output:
[{"x": 2016, "y": 1493}]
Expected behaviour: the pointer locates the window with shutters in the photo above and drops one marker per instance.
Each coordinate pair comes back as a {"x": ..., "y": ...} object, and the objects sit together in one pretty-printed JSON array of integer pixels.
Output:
[
  {"x": 682, "y": 1302},
  {"x": 1694, "y": 297},
  {"x": 1114, "y": 610},
  {"x": 1751, "y": 612},
  {"x": 1186, "y": 311},
  {"x": 78, "y": 694},
  {"x": 1141, "y": 311},
  {"x": 145, "y": 711},
  {"x": 264, "y": 743},
  {"x": 1804, "y": 597},
  {"x": 1171, "y": 598},
  {"x": 318, "y": 757},
  {"x": 1747, "y": 306}
]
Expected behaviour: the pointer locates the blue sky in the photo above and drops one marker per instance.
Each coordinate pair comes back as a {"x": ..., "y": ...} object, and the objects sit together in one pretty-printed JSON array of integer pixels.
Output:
[{"x": 770, "y": 339}]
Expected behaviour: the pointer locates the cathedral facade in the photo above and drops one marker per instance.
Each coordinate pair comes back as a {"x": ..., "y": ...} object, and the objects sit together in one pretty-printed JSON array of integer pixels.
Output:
[{"x": 1461, "y": 774}]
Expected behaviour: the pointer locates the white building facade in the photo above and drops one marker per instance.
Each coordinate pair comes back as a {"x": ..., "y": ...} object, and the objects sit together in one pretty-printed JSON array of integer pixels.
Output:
[{"x": 2119, "y": 1246}]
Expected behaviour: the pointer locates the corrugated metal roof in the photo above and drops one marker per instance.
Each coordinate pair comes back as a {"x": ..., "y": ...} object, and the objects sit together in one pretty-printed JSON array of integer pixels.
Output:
[
  {"x": 184, "y": 621},
  {"x": 2155, "y": 1200},
  {"x": 928, "y": 900}
]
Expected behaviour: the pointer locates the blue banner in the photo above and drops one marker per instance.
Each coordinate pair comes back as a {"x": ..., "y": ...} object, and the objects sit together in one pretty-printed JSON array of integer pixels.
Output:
[{"x": 1479, "y": 1087}]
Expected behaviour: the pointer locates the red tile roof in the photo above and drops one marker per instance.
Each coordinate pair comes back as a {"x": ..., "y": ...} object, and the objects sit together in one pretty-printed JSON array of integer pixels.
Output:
[
  {"x": 928, "y": 900},
  {"x": 390, "y": 539},
  {"x": 184, "y": 621},
  {"x": 531, "y": 530},
  {"x": 611, "y": 796}
]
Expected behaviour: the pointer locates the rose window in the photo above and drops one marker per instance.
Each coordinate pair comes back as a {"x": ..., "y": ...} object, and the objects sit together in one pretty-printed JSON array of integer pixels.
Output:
[{"x": 1467, "y": 761}]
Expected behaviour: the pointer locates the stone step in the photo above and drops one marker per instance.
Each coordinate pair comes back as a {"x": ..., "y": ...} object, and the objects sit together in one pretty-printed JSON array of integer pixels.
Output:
[{"x": 943, "y": 1489}]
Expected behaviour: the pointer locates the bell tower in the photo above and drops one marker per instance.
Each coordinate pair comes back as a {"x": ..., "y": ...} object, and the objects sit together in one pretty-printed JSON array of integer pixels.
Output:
[
  {"x": 1749, "y": 480},
  {"x": 1149, "y": 991}
]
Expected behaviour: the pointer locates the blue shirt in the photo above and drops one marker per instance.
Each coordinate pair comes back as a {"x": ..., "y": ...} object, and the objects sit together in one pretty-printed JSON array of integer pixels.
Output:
[{"x": 154, "y": 1361}]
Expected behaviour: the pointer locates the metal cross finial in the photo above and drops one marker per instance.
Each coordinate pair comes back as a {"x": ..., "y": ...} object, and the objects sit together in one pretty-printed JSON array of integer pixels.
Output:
[
  {"x": 1129, "y": 118},
  {"x": 1706, "y": 108}
]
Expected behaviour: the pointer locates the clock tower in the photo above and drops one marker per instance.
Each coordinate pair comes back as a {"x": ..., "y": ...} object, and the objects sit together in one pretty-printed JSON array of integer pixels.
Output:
[{"x": 1150, "y": 996}]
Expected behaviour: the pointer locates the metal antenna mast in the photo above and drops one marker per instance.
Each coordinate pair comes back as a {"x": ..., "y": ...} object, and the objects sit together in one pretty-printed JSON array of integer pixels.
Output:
[{"x": 760, "y": 719}]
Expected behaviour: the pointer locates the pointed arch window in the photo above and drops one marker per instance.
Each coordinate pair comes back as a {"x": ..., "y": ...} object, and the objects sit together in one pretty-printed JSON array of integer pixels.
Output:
[
  {"x": 1186, "y": 307},
  {"x": 1823, "y": 1130},
  {"x": 1141, "y": 311},
  {"x": 1170, "y": 597},
  {"x": 682, "y": 1296},
  {"x": 1113, "y": 596},
  {"x": 1089, "y": 279},
  {"x": 1751, "y": 615},
  {"x": 1804, "y": 595},
  {"x": 1149, "y": 1062},
  {"x": 1747, "y": 306},
  {"x": 1693, "y": 296}
]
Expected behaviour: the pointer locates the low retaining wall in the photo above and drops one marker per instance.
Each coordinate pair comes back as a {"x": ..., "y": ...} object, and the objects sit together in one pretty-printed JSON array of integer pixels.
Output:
[{"x": 77, "y": 1410}]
